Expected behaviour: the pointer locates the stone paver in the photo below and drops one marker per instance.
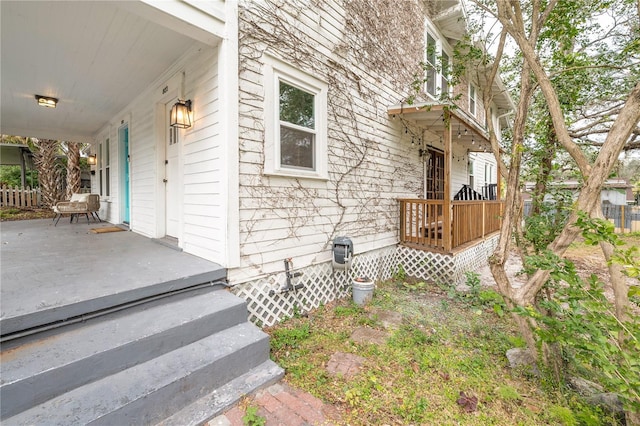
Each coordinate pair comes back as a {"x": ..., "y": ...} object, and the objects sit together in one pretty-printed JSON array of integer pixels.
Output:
[
  {"x": 344, "y": 364},
  {"x": 369, "y": 335},
  {"x": 388, "y": 319}
]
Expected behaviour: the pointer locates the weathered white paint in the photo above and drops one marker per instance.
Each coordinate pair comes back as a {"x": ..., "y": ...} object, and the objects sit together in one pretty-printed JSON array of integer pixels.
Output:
[{"x": 282, "y": 217}]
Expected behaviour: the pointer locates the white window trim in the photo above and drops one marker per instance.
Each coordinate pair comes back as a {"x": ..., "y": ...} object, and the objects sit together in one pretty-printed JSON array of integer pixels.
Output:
[
  {"x": 103, "y": 167},
  {"x": 473, "y": 112},
  {"x": 441, "y": 46},
  {"x": 275, "y": 71}
]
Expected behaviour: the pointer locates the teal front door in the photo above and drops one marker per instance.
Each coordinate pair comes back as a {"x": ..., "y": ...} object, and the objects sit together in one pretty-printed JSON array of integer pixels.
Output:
[{"x": 123, "y": 138}]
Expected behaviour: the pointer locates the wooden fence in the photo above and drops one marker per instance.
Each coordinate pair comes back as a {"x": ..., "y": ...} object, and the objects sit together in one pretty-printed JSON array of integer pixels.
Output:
[
  {"x": 624, "y": 218},
  {"x": 19, "y": 197}
]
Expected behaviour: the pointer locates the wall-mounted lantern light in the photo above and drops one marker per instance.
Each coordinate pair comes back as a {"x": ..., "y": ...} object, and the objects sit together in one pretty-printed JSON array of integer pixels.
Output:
[
  {"x": 46, "y": 101},
  {"x": 181, "y": 114},
  {"x": 92, "y": 160}
]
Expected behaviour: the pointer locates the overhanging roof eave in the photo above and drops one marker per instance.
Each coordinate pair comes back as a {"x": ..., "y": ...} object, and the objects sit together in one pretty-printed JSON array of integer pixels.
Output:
[{"x": 419, "y": 112}]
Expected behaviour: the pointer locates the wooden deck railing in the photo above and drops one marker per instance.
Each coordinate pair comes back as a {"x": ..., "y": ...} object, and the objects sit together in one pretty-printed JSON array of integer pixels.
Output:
[
  {"x": 473, "y": 220},
  {"x": 19, "y": 197},
  {"x": 421, "y": 222}
]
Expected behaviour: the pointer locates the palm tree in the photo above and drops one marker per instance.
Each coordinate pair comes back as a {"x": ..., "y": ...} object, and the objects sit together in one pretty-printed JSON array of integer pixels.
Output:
[
  {"x": 73, "y": 168},
  {"x": 49, "y": 171}
]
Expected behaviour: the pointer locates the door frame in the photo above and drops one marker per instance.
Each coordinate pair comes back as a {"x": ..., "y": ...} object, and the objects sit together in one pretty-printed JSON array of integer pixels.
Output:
[
  {"x": 124, "y": 159},
  {"x": 166, "y": 93},
  {"x": 173, "y": 189}
]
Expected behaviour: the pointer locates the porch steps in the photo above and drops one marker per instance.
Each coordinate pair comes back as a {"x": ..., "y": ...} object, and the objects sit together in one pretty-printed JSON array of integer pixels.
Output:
[{"x": 138, "y": 366}]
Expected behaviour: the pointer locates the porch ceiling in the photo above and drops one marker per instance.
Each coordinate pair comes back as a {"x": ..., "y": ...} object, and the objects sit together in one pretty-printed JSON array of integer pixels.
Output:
[
  {"x": 94, "y": 56},
  {"x": 430, "y": 118}
]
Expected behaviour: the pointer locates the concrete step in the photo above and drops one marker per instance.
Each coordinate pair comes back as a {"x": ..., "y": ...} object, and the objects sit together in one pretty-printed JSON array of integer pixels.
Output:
[
  {"x": 149, "y": 392},
  {"x": 38, "y": 368},
  {"x": 217, "y": 402}
]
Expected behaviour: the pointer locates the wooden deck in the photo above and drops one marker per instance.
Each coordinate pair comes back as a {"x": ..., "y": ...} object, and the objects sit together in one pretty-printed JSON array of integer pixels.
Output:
[{"x": 422, "y": 223}]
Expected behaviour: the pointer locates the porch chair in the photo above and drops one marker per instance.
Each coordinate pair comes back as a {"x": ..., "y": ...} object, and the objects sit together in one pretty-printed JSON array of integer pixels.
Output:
[{"x": 79, "y": 204}]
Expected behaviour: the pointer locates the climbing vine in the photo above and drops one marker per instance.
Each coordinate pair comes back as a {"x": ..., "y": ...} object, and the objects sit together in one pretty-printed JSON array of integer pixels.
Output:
[{"x": 367, "y": 52}]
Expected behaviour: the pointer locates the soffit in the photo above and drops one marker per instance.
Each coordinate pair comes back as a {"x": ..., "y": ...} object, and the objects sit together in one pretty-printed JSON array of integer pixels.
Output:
[
  {"x": 94, "y": 56},
  {"x": 430, "y": 116}
]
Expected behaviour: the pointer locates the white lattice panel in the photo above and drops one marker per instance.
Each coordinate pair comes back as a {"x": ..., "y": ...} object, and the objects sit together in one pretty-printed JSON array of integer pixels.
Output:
[
  {"x": 322, "y": 284},
  {"x": 426, "y": 265}
]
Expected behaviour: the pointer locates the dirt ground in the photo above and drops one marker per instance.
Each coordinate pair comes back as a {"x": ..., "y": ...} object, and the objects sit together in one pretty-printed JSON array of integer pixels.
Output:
[{"x": 587, "y": 259}]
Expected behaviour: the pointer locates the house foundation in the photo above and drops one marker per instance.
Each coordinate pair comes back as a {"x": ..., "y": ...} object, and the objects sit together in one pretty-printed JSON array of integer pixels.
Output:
[{"x": 269, "y": 301}]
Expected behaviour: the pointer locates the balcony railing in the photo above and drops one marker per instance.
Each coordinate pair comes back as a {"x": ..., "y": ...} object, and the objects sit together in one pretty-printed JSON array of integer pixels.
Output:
[{"x": 422, "y": 222}]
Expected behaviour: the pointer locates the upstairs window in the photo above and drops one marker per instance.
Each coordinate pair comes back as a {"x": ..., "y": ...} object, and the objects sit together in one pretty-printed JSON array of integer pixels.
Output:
[
  {"x": 431, "y": 65},
  {"x": 472, "y": 99},
  {"x": 438, "y": 66},
  {"x": 444, "y": 74}
]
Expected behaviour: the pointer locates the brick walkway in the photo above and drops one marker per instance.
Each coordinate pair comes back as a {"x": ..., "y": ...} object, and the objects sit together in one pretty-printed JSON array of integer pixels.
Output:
[{"x": 282, "y": 405}]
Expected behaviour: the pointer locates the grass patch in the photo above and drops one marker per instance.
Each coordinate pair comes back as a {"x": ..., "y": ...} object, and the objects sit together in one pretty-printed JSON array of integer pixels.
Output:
[
  {"x": 445, "y": 364},
  {"x": 14, "y": 213}
]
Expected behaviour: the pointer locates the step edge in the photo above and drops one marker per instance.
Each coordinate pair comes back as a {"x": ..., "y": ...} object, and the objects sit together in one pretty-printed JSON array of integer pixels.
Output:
[
  {"x": 256, "y": 338},
  {"x": 218, "y": 401},
  {"x": 137, "y": 314}
]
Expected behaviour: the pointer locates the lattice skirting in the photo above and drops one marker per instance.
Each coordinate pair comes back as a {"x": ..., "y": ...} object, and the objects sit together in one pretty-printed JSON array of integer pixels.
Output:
[
  {"x": 446, "y": 268},
  {"x": 321, "y": 284}
]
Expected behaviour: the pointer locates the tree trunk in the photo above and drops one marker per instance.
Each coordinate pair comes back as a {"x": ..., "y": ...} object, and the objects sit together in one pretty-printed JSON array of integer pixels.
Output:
[
  {"x": 589, "y": 197},
  {"x": 546, "y": 165},
  {"x": 49, "y": 173},
  {"x": 511, "y": 213},
  {"x": 73, "y": 168}
]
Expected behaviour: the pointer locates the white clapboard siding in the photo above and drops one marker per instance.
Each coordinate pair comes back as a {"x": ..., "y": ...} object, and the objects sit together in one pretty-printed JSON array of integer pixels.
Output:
[
  {"x": 203, "y": 204},
  {"x": 371, "y": 162}
]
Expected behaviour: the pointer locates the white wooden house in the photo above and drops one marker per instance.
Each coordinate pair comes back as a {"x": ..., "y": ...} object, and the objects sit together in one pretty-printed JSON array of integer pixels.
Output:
[{"x": 300, "y": 132}]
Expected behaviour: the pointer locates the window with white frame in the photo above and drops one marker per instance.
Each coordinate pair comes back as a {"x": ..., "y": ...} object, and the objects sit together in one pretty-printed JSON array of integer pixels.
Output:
[
  {"x": 488, "y": 173},
  {"x": 104, "y": 168},
  {"x": 438, "y": 65},
  {"x": 295, "y": 127},
  {"x": 431, "y": 64},
  {"x": 473, "y": 93},
  {"x": 107, "y": 169},
  {"x": 100, "y": 171},
  {"x": 444, "y": 73}
]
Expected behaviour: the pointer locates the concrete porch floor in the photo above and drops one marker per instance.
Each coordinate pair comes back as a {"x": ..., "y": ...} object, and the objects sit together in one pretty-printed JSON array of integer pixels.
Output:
[{"x": 52, "y": 273}]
